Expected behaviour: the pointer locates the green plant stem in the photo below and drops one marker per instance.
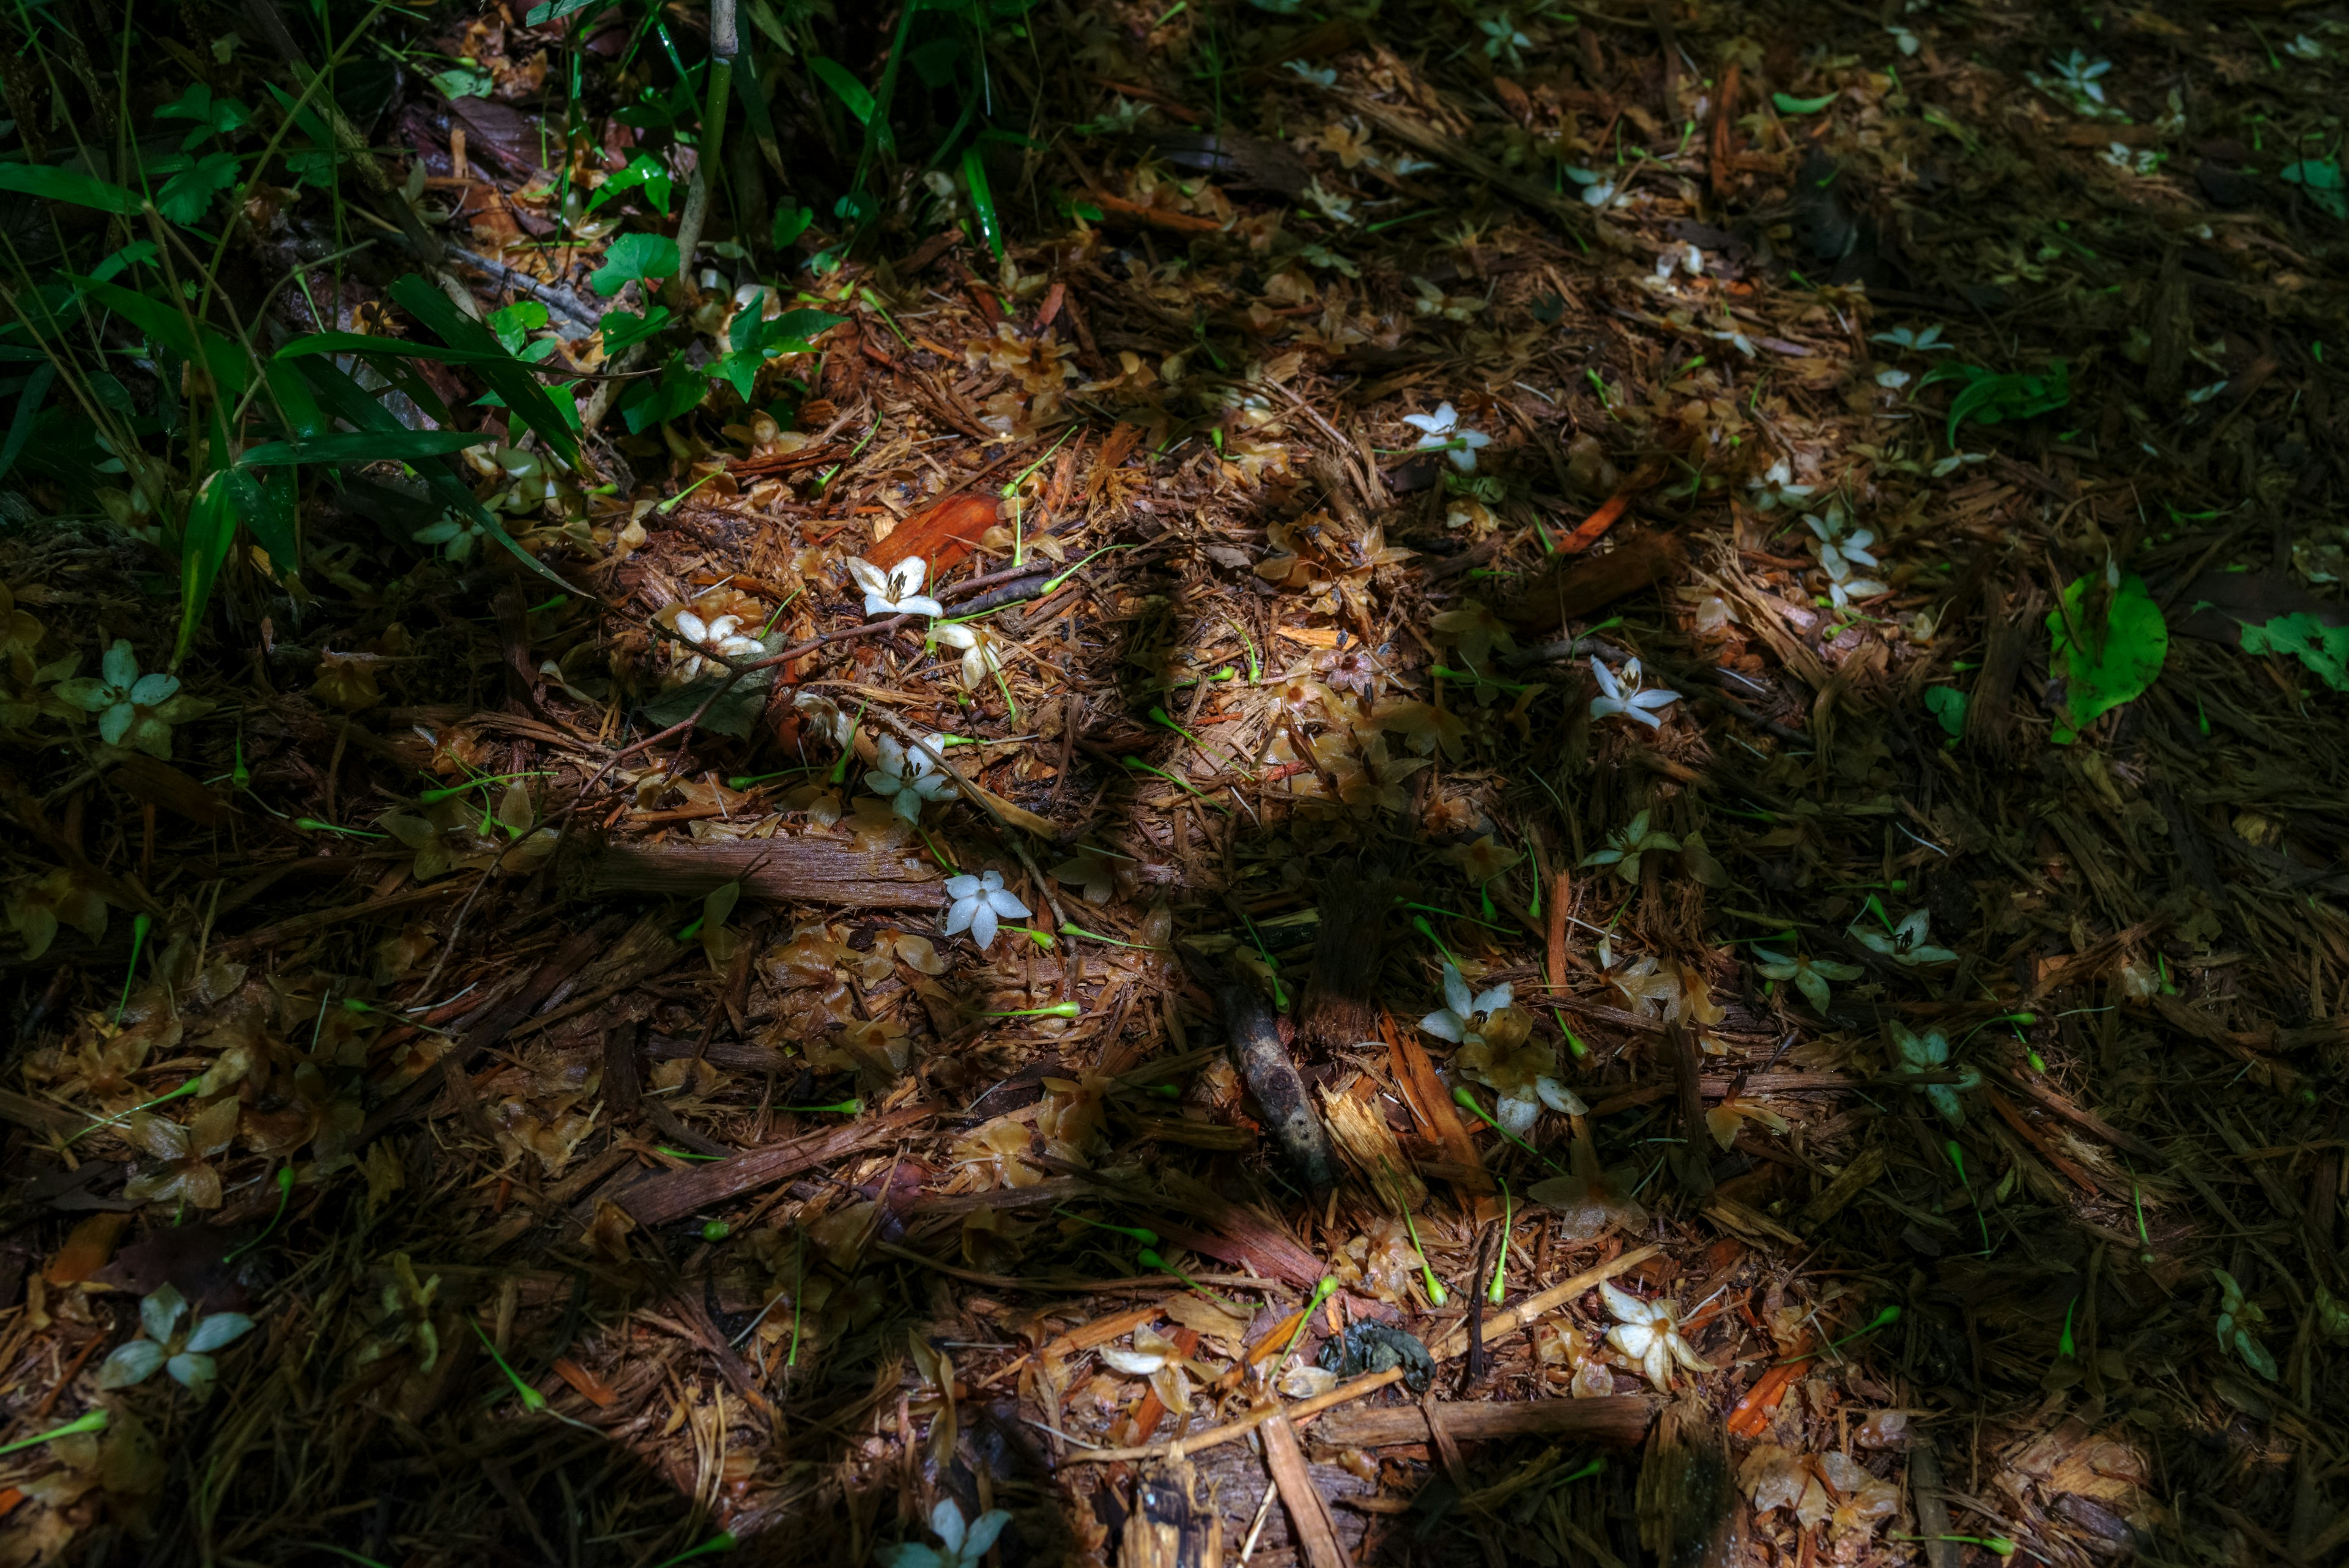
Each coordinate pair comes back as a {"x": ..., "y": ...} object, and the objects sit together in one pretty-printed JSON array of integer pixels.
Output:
[
  {"x": 93, "y": 1422},
  {"x": 139, "y": 926},
  {"x": 285, "y": 1196}
]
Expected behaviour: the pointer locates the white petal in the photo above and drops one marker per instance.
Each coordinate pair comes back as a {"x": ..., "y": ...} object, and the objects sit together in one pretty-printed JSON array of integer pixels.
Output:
[
  {"x": 920, "y": 604},
  {"x": 723, "y": 627},
  {"x": 1659, "y": 698},
  {"x": 991, "y": 880},
  {"x": 1626, "y": 1307},
  {"x": 1518, "y": 1116},
  {"x": 1607, "y": 708},
  {"x": 1632, "y": 1338},
  {"x": 964, "y": 886},
  {"x": 1558, "y": 1097},
  {"x": 1644, "y": 716},
  {"x": 1606, "y": 679},
  {"x": 1456, "y": 995},
  {"x": 906, "y": 577},
  {"x": 1473, "y": 439},
  {"x": 956, "y": 636},
  {"x": 867, "y": 576},
  {"x": 875, "y": 605},
  {"x": 1132, "y": 1363},
  {"x": 958, "y": 918},
  {"x": 691, "y": 628},
  {"x": 1443, "y": 1025},
  {"x": 1007, "y": 905},
  {"x": 1463, "y": 459},
  {"x": 982, "y": 925},
  {"x": 1658, "y": 1362},
  {"x": 1493, "y": 1000}
]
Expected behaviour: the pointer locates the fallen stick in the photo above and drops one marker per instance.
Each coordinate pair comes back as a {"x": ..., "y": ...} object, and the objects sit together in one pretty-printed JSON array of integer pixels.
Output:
[
  {"x": 1617, "y": 1418},
  {"x": 1273, "y": 1079},
  {"x": 1450, "y": 1347}
]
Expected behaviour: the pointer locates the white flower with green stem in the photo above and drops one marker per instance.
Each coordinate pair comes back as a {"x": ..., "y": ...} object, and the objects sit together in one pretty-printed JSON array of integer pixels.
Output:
[
  {"x": 1907, "y": 944},
  {"x": 1809, "y": 975},
  {"x": 133, "y": 709},
  {"x": 1621, "y": 696},
  {"x": 898, "y": 591},
  {"x": 906, "y": 779},
  {"x": 1442, "y": 431},
  {"x": 165, "y": 1346},
  {"x": 1929, "y": 1053},
  {"x": 1624, "y": 849},
  {"x": 1648, "y": 1332}
]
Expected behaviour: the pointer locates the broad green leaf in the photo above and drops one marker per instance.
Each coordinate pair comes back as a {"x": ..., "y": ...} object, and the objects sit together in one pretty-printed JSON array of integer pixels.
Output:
[
  {"x": 204, "y": 545},
  {"x": 354, "y": 405},
  {"x": 514, "y": 323},
  {"x": 295, "y": 402},
  {"x": 2323, "y": 649},
  {"x": 401, "y": 445},
  {"x": 464, "y": 81},
  {"x": 28, "y": 409},
  {"x": 52, "y": 184},
  {"x": 188, "y": 195},
  {"x": 792, "y": 221},
  {"x": 1993, "y": 399},
  {"x": 265, "y": 501},
  {"x": 511, "y": 379},
  {"x": 845, "y": 87},
  {"x": 739, "y": 371},
  {"x": 363, "y": 343},
  {"x": 795, "y": 331},
  {"x": 631, "y": 258},
  {"x": 2102, "y": 667},
  {"x": 643, "y": 171},
  {"x": 556, "y": 10},
  {"x": 1788, "y": 105},
  {"x": 212, "y": 116},
  {"x": 982, "y": 200},
  {"x": 167, "y": 326},
  {"x": 625, "y": 329},
  {"x": 2322, "y": 178},
  {"x": 1948, "y": 704},
  {"x": 677, "y": 391}
]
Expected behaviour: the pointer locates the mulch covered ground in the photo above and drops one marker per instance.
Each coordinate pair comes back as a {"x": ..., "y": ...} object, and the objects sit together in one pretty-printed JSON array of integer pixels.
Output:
[{"x": 1524, "y": 780}]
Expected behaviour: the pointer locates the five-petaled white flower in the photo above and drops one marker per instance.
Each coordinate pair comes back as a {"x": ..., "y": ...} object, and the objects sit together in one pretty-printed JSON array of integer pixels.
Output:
[
  {"x": 1444, "y": 432},
  {"x": 907, "y": 780},
  {"x": 1650, "y": 1334},
  {"x": 1623, "y": 696},
  {"x": 1459, "y": 1020},
  {"x": 1841, "y": 547},
  {"x": 132, "y": 709},
  {"x": 896, "y": 591},
  {"x": 1908, "y": 944},
  {"x": 459, "y": 534},
  {"x": 981, "y": 657},
  {"x": 978, "y": 902},
  {"x": 1777, "y": 487},
  {"x": 722, "y": 637},
  {"x": 1810, "y": 975}
]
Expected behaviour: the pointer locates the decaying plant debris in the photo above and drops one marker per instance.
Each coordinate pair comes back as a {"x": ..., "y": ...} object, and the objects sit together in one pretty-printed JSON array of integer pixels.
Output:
[{"x": 1637, "y": 717}]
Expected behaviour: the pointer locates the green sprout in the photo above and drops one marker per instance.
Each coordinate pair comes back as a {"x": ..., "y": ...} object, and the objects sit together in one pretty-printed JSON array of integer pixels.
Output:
[
  {"x": 845, "y": 1108},
  {"x": 1058, "y": 1009},
  {"x": 1141, "y": 1233},
  {"x": 531, "y": 1400},
  {"x": 1436, "y": 1295},
  {"x": 722, "y": 1541},
  {"x": 285, "y": 1196},
  {"x": 312, "y": 825},
  {"x": 1465, "y": 1097},
  {"x": 1151, "y": 1258},
  {"x": 1271, "y": 964},
  {"x": 1070, "y": 928},
  {"x": 716, "y": 1231},
  {"x": 191, "y": 1086},
  {"x": 139, "y": 926},
  {"x": 95, "y": 1421},
  {"x": 1958, "y": 1158},
  {"x": 1890, "y": 1315},
  {"x": 451, "y": 792},
  {"x": 1499, "y": 1288},
  {"x": 1997, "y": 1544},
  {"x": 1138, "y": 765}
]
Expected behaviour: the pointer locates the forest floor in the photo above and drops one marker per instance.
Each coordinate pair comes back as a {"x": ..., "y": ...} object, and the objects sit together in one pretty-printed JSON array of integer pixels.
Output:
[{"x": 1645, "y": 714}]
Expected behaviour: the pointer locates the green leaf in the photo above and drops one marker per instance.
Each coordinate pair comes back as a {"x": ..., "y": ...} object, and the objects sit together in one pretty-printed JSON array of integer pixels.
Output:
[
  {"x": 169, "y": 328},
  {"x": 845, "y": 87},
  {"x": 1993, "y": 399},
  {"x": 735, "y": 713},
  {"x": 2321, "y": 177},
  {"x": 635, "y": 257},
  {"x": 1948, "y": 704},
  {"x": 365, "y": 345},
  {"x": 643, "y": 171},
  {"x": 511, "y": 379},
  {"x": 354, "y": 405},
  {"x": 677, "y": 392},
  {"x": 188, "y": 195},
  {"x": 1786, "y": 105},
  {"x": 205, "y": 546},
  {"x": 556, "y": 10},
  {"x": 213, "y": 116},
  {"x": 739, "y": 371},
  {"x": 265, "y": 501},
  {"x": 514, "y": 323},
  {"x": 401, "y": 445},
  {"x": 53, "y": 184},
  {"x": 2323, "y": 649},
  {"x": 982, "y": 200},
  {"x": 625, "y": 329},
  {"x": 464, "y": 81},
  {"x": 28, "y": 409},
  {"x": 792, "y": 221},
  {"x": 2104, "y": 666}
]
